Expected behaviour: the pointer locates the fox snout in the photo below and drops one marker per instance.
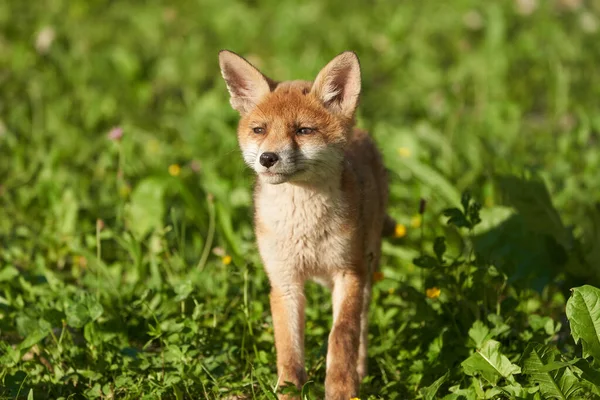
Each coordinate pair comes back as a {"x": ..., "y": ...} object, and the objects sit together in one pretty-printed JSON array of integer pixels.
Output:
[
  {"x": 268, "y": 159},
  {"x": 265, "y": 159},
  {"x": 275, "y": 166},
  {"x": 288, "y": 164}
]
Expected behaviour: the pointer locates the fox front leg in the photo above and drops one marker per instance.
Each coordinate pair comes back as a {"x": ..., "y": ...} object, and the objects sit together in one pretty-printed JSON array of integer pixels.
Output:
[
  {"x": 287, "y": 309},
  {"x": 342, "y": 380}
]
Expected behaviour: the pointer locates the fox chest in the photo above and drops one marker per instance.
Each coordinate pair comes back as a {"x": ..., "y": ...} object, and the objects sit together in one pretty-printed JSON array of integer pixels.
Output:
[{"x": 303, "y": 237}]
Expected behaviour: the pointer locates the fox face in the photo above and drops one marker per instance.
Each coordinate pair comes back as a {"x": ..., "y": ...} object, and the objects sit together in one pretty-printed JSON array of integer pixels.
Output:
[
  {"x": 290, "y": 136},
  {"x": 293, "y": 131}
]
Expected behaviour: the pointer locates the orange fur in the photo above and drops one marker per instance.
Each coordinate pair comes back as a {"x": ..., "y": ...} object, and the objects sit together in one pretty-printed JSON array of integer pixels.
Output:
[{"x": 320, "y": 201}]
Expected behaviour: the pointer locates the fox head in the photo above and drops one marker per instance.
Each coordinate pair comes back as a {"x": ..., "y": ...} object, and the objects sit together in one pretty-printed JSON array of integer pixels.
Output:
[{"x": 293, "y": 131}]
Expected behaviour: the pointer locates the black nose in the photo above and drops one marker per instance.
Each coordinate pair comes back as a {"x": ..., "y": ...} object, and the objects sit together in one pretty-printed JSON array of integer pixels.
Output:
[{"x": 268, "y": 159}]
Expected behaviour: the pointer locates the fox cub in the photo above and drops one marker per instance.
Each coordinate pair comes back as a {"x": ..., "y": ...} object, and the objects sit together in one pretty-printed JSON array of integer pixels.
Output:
[{"x": 320, "y": 200}]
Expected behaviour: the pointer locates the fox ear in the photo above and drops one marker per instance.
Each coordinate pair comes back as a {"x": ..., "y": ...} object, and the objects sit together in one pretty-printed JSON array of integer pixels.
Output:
[
  {"x": 245, "y": 83},
  {"x": 338, "y": 84}
]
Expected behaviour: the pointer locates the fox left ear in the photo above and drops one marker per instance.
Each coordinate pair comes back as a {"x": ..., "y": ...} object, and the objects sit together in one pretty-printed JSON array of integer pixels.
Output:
[
  {"x": 338, "y": 84},
  {"x": 246, "y": 84}
]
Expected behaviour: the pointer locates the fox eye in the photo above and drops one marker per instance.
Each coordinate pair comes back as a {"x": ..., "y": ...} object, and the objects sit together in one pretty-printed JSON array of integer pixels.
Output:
[
  {"x": 304, "y": 131},
  {"x": 258, "y": 130}
]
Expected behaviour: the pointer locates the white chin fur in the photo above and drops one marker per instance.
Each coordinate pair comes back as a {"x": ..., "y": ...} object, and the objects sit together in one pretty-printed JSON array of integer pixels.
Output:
[{"x": 273, "y": 179}]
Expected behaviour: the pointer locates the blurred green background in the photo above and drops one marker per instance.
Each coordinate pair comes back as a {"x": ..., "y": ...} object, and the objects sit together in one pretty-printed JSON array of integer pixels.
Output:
[{"x": 122, "y": 254}]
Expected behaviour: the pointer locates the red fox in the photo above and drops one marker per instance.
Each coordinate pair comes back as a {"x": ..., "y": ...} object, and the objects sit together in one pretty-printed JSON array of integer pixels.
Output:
[{"x": 320, "y": 199}]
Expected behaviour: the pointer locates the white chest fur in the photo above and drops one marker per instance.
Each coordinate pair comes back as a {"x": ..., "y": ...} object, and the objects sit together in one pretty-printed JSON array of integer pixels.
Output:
[{"x": 300, "y": 234}]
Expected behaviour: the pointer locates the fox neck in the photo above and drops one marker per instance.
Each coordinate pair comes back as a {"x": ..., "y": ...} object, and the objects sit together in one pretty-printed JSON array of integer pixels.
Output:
[
  {"x": 298, "y": 206},
  {"x": 292, "y": 200}
]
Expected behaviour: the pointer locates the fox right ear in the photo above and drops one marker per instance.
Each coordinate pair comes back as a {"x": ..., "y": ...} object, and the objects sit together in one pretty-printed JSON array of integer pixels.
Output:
[
  {"x": 338, "y": 84},
  {"x": 245, "y": 83}
]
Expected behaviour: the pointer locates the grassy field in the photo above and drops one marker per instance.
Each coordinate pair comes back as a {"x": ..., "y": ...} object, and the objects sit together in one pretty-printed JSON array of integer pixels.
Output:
[{"x": 128, "y": 268}]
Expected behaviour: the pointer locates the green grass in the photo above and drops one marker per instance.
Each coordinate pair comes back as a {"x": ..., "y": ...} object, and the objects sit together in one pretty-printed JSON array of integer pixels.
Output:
[{"x": 114, "y": 273}]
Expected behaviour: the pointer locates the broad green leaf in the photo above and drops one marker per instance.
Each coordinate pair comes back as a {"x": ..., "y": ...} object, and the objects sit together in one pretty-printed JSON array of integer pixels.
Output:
[
  {"x": 95, "y": 392},
  {"x": 588, "y": 373},
  {"x": 145, "y": 210},
  {"x": 500, "y": 326},
  {"x": 514, "y": 391},
  {"x": 89, "y": 374},
  {"x": 123, "y": 381},
  {"x": 479, "y": 332},
  {"x": 82, "y": 311},
  {"x": 183, "y": 290},
  {"x": 531, "y": 199},
  {"x": 77, "y": 315},
  {"x": 456, "y": 393},
  {"x": 95, "y": 311},
  {"x": 555, "y": 381},
  {"x": 26, "y": 324},
  {"x": 490, "y": 363},
  {"x": 492, "y": 217},
  {"x": 66, "y": 213},
  {"x": 35, "y": 337},
  {"x": 8, "y": 273},
  {"x": 521, "y": 254},
  {"x": 94, "y": 307},
  {"x": 430, "y": 391},
  {"x": 583, "y": 312}
]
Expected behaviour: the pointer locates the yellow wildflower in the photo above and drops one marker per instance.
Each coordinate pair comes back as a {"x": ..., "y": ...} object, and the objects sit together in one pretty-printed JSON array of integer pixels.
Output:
[
  {"x": 377, "y": 276},
  {"x": 392, "y": 290},
  {"x": 416, "y": 220},
  {"x": 433, "y": 293},
  {"x": 400, "y": 231},
  {"x": 174, "y": 169},
  {"x": 404, "y": 152},
  {"x": 226, "y": 259}
]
